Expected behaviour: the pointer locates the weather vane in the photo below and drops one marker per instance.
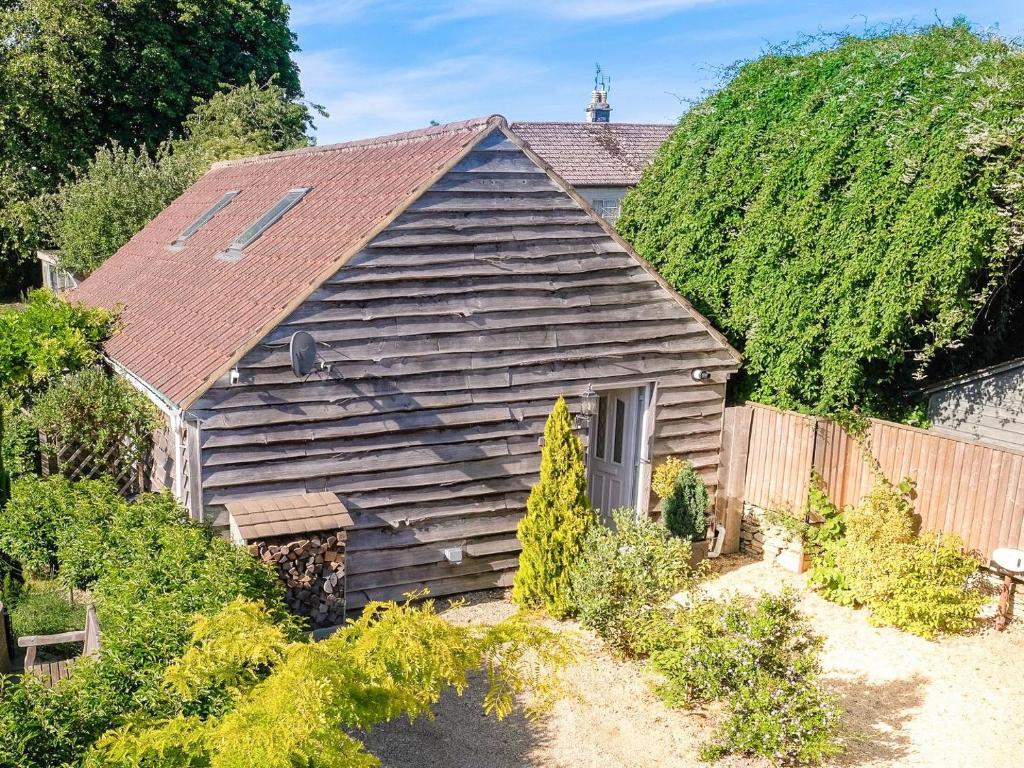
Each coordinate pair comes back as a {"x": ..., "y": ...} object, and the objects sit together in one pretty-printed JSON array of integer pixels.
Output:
[{"x": 601, "y": 81}]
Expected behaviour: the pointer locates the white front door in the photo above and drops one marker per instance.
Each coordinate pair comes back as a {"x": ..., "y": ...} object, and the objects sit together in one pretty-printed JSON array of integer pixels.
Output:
[{"x": 614, "y": 450}]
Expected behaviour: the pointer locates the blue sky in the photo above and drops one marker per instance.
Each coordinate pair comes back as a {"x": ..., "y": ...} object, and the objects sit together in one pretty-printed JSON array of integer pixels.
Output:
[{"x": 392, "y": 65}]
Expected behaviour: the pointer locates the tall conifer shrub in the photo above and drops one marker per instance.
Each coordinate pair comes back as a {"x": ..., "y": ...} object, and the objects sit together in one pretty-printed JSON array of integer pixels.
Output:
[{"x": 558, "y": 514}]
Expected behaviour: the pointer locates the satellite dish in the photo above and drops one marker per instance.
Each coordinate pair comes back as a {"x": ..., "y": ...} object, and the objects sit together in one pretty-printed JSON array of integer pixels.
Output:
[{"x": 302, "y": 350}]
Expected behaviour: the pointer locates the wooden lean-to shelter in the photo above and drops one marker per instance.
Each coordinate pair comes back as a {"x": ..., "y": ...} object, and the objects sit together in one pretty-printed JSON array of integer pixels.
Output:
[{"x": 453, "y": 286}]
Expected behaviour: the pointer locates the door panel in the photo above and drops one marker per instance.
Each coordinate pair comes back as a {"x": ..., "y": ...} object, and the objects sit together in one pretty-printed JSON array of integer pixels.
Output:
[{"x": 614, "y": 450}]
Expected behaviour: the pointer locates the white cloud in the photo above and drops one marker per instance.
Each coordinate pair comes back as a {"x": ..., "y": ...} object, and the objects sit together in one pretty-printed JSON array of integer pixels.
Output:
[
  {"x": 364, "y": 102},
  {"x": 308, "y": 13}
]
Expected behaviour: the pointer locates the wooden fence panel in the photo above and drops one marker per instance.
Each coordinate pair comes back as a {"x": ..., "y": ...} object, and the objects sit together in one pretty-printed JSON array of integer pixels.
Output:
[{"x": 959, "y": 486}]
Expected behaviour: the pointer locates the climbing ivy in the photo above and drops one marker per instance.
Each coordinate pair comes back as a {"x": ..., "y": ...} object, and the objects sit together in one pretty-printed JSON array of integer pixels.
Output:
[{"x": 850, "y": 215}]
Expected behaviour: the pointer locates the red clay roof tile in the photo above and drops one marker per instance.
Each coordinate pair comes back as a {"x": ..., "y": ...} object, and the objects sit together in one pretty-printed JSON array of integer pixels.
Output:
[
  {"x": 186, "y": 313},
  {"x": 595, "y": 154}
]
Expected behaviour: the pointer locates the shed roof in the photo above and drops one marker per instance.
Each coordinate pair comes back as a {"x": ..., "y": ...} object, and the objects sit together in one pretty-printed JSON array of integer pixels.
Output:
[
  {"x": 595, "y": 154},
  {"x": 186, "y": 313},
  {"x": 261, "y": 517},
  {"x": 981, "y": 373}
]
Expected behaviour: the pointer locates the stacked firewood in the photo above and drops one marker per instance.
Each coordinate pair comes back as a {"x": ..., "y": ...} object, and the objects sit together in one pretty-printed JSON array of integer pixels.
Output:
[{"x": 313, "y": 573}]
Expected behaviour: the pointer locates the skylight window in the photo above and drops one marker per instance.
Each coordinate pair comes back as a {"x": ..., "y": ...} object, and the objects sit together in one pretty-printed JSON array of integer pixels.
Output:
[
  {"x": 235, "y": 251},
  {"x": 199, "y": 223}
]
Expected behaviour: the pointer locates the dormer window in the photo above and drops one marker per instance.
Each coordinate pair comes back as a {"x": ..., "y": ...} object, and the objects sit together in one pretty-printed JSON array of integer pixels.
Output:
[
  {"x": 199, "y": 223},
  {"x": 235, "y": 251}
]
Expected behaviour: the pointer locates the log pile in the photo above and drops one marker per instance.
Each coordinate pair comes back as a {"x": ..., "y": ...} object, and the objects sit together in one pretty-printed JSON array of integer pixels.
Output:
[{"x": 313, "y": 573}]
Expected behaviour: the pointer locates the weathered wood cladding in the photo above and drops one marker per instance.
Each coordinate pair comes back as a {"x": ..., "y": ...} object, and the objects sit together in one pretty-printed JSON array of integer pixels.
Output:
[{"x": 449, "y": 338}]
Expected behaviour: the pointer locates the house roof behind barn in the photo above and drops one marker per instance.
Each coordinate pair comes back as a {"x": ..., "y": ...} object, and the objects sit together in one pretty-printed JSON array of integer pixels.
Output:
[
  {"x": 186, "y": 312},
  {"x": 595, "y": 154}
]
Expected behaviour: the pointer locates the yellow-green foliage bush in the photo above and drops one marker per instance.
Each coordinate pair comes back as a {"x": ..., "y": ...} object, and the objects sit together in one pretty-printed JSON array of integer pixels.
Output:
[
  {"x": 922, "y": 583},
  {"x": 663, "y": 479},
  {"x": 558, "y": 514},
  {"x": 626, "y": 573},
  {"x": 291, "y": 703}
]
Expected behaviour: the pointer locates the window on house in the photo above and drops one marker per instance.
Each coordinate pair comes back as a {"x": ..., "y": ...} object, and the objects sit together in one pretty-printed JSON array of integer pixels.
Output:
[
  {"x": 608, "y": 208},
  {"x": 263, "y": 223},
  {"x": 199, "y": 223},
  {"x": 602, "y": 426}
]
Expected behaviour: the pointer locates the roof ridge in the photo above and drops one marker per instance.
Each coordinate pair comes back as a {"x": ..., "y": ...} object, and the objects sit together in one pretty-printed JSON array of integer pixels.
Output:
[
  {"x": 393, "y": 138},
  {"x": 586, "y": 123}
]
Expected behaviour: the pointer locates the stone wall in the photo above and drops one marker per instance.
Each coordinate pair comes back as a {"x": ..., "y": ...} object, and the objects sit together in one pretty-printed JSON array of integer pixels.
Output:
[
  {"x": 772, "y": 542},
  {"x": 313, "y": 573}
]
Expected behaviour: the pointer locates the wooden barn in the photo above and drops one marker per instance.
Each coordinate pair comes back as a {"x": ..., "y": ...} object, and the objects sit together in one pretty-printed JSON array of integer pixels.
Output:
[{"x": 454, "y": 286}]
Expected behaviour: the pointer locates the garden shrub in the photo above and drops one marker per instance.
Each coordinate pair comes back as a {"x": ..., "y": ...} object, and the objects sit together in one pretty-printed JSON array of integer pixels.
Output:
[
  {"x": 663, "y": 479},
  {"x": 298, "y": 703},
  {"x": 18, "y": 441},
  {"x": 624, "y": 574},
  {"x": 46, "y": 337},
  {"x": 151, "y": 571},
  {"x": 46, "y": 514},
  {"x": 763, "y": 660},
  {"x": 685, "y": 509},
  {"x": 922, "y": 583},
  {"x": 558, "y": 514},
  {"x": 100, "y": 413},
  {"x": 825, "y": 540},
  {"x": 787, "y": 721}
]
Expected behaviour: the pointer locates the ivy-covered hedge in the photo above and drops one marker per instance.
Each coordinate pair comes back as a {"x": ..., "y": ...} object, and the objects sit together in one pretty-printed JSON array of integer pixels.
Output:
[{"x": 849, "y": 216}]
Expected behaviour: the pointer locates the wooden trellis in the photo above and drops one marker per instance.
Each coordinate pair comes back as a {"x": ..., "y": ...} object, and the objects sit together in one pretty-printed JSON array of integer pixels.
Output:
[{"x": 79, "y": 462}]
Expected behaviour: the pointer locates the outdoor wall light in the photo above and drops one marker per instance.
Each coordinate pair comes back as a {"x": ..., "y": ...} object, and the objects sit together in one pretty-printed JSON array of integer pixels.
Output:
[
  {"x": 589, "y": 398},
  {"x": 453, "y": 555},
  {"x": 233, "y": 376},
  {"x": 699, "y": 374}
]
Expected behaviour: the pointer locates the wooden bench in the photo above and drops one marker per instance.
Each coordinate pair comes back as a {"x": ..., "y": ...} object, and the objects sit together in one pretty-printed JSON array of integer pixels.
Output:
[{"x": 54, "y": 671}]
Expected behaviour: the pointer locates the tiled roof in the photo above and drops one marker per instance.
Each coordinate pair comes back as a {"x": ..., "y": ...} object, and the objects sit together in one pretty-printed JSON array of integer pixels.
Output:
[
  {"x": 261, "y": 517},
  {"x": 595, "y": 154},
  {"x": 186, "y": 313}
]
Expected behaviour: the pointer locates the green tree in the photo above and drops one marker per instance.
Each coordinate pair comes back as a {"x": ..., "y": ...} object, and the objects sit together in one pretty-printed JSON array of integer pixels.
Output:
[
  {"x": 558, "y": 514},
  {"x": 685, "y": 509},
  {"x": 850, "y": 217},
  {"x": 76, "y": 75},
  {"x": 44, "y": 338},
  {"x": 121, "y": 190},
  {"x": 285, "y": 704}
]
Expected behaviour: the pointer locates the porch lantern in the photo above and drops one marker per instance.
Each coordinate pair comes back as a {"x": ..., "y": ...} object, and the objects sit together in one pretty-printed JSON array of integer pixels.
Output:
[{"x": 589, "y": 398}]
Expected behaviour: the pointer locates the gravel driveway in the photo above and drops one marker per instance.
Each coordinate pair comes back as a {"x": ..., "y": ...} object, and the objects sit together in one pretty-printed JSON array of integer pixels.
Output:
[{"x": 955, "y": 703}]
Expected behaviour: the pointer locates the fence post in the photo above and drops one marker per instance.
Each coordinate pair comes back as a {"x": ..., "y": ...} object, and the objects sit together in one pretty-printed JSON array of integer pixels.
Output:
[
  {"x": 5, "y": 647},
  {"x": 733, "y": 473}
]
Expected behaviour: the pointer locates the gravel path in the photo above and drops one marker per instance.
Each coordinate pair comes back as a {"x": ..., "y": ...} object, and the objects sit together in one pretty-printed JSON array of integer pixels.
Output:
[{"x": 955, "y": 703}]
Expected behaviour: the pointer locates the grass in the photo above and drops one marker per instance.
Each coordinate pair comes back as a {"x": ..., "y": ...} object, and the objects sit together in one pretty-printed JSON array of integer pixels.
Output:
[{"x": 43, "y": 608}]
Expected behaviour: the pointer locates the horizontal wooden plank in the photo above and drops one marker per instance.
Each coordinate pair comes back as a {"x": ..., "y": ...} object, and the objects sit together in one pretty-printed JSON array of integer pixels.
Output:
[
  {"x": 369, "y": 445},
  {"x": 435, "y": 589},
  {"x": 524, "y": 285},
  {"x": 465, "y": 305},
  {"x": 429, "y": 572},
  {"x": 405, "y": 459},
  {"x": 492, "y": 217},
  {"x": 493, "y": 234},
  {"x": 450, "y": 201},
  {"x": 500, "y": 348},
  {"x": 491, "y": 163},
  {"x": 444, "y": 531},
  {"x": 478, "y": 181}
]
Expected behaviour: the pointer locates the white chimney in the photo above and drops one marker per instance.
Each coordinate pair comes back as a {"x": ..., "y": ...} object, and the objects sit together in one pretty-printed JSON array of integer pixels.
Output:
[{"x": 599, "y": 111}]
